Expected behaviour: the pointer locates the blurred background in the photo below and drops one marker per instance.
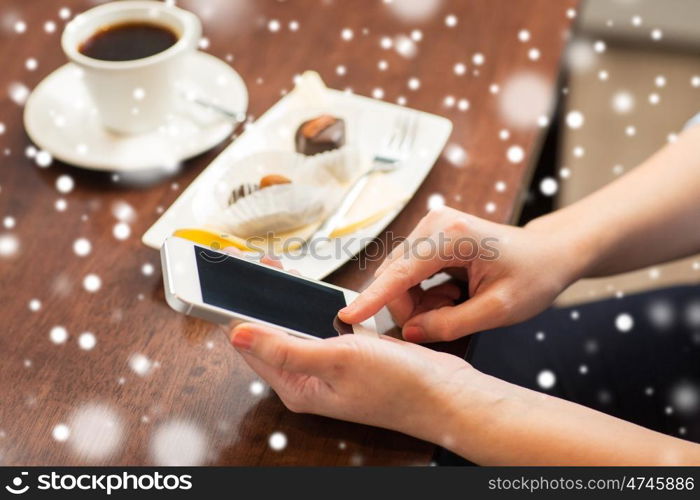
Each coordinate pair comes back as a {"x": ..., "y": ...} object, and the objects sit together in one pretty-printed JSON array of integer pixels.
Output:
[
  {"x": 627, "y": 345},
  {"x": 630, "y": 82}
]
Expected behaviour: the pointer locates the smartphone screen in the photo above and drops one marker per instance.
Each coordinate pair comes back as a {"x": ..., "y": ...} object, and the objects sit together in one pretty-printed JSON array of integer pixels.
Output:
[{"x": 270, "y": 295}]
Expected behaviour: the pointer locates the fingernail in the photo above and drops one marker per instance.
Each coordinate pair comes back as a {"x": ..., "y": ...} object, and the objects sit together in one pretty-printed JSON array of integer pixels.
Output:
[
  {"x": 413, "y": 333},
  {"x": 242, "y": 339}
]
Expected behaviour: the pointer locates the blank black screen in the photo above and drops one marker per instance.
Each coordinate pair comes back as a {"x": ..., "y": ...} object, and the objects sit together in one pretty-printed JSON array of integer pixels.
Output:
[{"x": 269, "y": 295}]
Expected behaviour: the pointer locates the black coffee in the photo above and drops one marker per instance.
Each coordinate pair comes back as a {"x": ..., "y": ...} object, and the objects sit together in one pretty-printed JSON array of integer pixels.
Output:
[{"x": 128, "y": 41}]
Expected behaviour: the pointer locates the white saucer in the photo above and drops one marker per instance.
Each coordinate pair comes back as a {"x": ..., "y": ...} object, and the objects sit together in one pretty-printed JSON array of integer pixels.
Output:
[{"x": 61, "y": 119}]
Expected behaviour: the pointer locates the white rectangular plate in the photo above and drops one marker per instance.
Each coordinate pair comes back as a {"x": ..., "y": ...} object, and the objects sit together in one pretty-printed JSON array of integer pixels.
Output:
[{"x": 369, "y": 123}]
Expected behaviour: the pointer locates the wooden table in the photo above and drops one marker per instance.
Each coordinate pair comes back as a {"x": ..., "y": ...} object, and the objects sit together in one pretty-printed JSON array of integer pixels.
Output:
[{"x": 196, "y": 404}]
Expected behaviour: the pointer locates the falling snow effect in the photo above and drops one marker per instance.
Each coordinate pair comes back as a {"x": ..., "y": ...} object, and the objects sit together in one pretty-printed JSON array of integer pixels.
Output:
[
  {"x": 661, "y": 314},
  {"x": 18, "y": 92},
  {"x": 147, "y": 269},
  {"x": 43, "y": 159},
  {"x": 123, "y": 212},
  {"x": 92, "y": 283},
  {"x": 121, "y": 230},
  {"x": 456, "y": 155},
  {"x": 9, "y": 245},
  {"x": 87, "y": 341},
  {"x": 277, "y": 441},
  {"x": 546, "y": 379},
  {"x": 139, "y": 94},
  {"x": 436, "y": 200},
  {"x": 574, "y": 119},
  {"x": 178, "y": 443},
  {"x": 61, "y": 433},
  {"x": 624, "y": 322},
  {"x": 94, "y": 432},
  {"x": 685, "y": 398},
  {"x": 622, "y": 102},
  {"x": 549, "y": 186},
  {"x": 692, "y": 314},
  {"x": 60, "y": 205},
  {"x": 82, "y": 247},
  {"x": 140, "y": 364},
  {"x": 64, "y": 184},
  {"x": 58, "y": 335},
  {"x": 256, "y": 388},
  {"x": 405, "y": 46},
  {"x": 273, "y": 25},
  {"x": 580, "y": 56},
  {"x": 515, "y": 154},
  {"x": 524, "y": 98}
]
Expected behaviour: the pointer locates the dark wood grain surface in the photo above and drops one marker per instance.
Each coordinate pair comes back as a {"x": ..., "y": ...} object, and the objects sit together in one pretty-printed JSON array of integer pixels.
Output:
[{"x": 196, "y": 404}]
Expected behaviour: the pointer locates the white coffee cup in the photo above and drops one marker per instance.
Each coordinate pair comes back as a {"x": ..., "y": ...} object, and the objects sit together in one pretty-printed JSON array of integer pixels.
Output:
[{"x": 133, "y": 96}]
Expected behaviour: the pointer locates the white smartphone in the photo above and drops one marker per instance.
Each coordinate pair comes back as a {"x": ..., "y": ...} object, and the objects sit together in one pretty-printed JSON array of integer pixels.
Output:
[{"x": 225, "y": 289}]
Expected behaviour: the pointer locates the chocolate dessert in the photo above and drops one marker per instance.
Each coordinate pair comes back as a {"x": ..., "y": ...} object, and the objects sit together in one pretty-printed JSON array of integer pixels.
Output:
[
  {"x": 323, "y": 133},
  {"x": 246, "y": 189},
  {"x": 242, "y": 191}
]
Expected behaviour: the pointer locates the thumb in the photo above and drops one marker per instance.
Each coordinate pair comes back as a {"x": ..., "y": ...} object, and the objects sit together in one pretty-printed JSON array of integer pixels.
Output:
[
  {"x": 481, "y": 312},
  {"x": 280, "y": 350}
]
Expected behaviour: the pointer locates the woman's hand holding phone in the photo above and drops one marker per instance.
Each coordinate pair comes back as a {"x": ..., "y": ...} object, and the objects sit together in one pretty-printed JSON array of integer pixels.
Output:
[{"x": 382, "y": 382}]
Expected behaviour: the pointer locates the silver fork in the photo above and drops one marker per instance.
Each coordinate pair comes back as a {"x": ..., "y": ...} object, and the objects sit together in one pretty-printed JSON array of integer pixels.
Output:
[{"x": 393, "y": 152}]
